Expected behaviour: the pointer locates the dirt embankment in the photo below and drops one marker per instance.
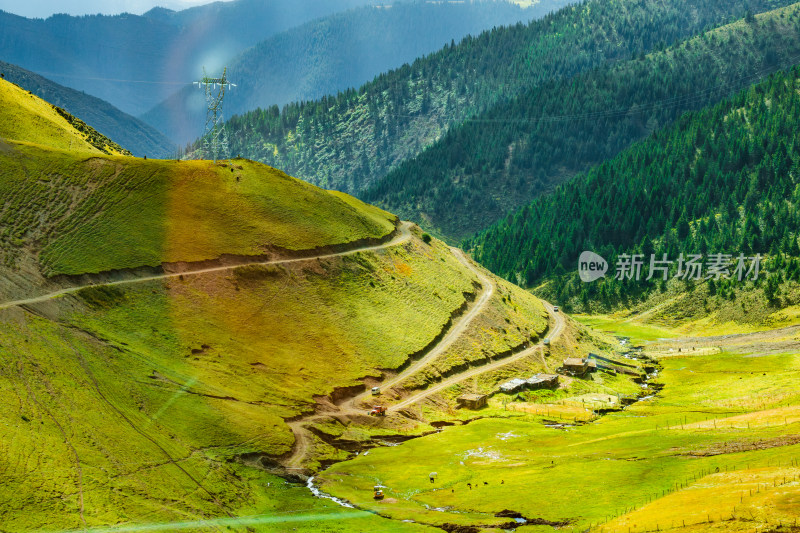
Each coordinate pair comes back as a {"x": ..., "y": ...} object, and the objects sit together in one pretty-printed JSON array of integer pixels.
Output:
[
  {"x": 72, "y": 284},
  {"x": 271, "y": 254},
  {"x": 743, "y": 446},
  {"x": 276, "y": 254}
]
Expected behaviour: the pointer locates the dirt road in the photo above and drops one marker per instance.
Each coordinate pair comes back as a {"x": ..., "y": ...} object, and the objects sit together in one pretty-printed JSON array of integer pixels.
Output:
[
  {"x": 351, "y": 406},
  {"x": 403, "y": 234},
  {"x": 302, "y": 435},
  {"x": 558, "y": 327},
  {"x": 456, "y": 330}
]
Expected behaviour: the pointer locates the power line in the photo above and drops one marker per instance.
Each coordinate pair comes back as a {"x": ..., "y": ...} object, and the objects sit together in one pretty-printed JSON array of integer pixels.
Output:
[{"x": 74, "y": 76}]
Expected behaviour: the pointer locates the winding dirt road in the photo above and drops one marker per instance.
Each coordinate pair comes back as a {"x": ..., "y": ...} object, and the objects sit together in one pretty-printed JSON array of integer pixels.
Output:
[
  {"x": 303, "y": 438},
  {"x": 455, "y": 331},
  {"x": 558, "y": 327},
  {"x": 350, "y": 407},
  {"x": 403, "y": 234}
]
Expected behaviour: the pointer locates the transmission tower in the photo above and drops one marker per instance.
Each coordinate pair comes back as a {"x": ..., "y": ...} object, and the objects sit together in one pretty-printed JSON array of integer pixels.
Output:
[{"x": 215, "y": 139}]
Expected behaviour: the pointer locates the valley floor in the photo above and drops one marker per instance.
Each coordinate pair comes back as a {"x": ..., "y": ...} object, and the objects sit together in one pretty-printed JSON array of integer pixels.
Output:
[
  {"x": 709, "y": 441},
  {"x": 717, "y": 449}
]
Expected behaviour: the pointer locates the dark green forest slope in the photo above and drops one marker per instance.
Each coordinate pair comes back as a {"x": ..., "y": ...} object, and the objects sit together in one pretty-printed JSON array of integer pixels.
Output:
[
  {"x": 348, "y": 141},
  {"x": 335, "y": 53},
  {"x": 722, "y": 180},
  {"x": 505, "y": 157}
]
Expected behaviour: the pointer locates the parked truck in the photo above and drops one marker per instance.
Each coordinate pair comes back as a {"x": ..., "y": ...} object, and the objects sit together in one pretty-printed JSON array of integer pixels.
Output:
[{"x": 378, "y": 410}]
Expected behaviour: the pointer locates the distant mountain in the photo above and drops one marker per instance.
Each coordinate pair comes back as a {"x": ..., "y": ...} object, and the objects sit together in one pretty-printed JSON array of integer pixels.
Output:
[
  {"x": 133, "y": 134},
  {"x": 335, "y": 53},
  {"x": 135, "y": 62},
  {"x": 503, "y": 158},
  {"x": 351, "y": 140}
]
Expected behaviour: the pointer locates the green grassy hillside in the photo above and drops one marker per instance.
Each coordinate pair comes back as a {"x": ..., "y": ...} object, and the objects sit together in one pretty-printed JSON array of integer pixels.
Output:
[
  {"x": 164, "y": 401},
  {"x": 206, "y": 368},
  {"x": 27, "y": 118},
  {"x": 82, "y": 214},
  {"x": 133, "y": 134}
]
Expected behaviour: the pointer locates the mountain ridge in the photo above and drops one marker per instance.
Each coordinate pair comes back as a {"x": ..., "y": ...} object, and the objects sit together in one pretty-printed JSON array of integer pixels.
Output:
[
  {"x": 523, "y": 147},
  {"x": 29, "y": 119},
  {"x": 350, "y": 140},
  {"x": 335, "y": 53},
  {"x": 135, "y": 61},
  {"x": 135, "y": 135},
  {"x": 721, "y": 180}
]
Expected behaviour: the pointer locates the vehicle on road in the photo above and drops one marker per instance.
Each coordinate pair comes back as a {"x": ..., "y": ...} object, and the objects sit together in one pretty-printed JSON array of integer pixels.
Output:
[
  {"x": 555, "y": 309},
  {"x": 376, "y": 391},
  {"x": 378, "y": 410}
]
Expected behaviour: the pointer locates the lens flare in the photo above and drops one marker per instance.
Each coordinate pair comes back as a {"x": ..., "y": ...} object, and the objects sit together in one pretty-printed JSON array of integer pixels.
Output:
[
  {"x": 216, "y": 522},
  {"x": 173, "y": 398}
]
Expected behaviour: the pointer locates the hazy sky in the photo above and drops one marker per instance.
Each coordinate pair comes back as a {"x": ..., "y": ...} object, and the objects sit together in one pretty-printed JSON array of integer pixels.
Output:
[{"x": 45, "y": 8}]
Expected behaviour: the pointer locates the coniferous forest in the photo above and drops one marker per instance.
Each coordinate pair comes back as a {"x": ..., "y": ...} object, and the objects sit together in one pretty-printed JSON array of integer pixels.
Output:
[
  {"x": 351, "y": 140},
  {"x": 519, "y": 149},
  {"x": 722, "y": 180}
]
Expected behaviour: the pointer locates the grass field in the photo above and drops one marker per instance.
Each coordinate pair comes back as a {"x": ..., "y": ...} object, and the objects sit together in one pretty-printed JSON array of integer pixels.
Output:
[
  {"x": 79, "y": 448},
  {"x": 726, "y": 411},
  {"x": 741, "y": 499},
  {"x": 698, "y": 313},
  {"x": 83, "y": 214},
  {"x": 27, "y": 118},
  {"x": 637, "y": 331}
]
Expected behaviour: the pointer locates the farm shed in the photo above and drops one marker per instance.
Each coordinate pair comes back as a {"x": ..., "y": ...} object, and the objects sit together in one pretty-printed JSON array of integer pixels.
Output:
[
  {"x": 543, "y": 381},
  {"x": 514, "y": 385},
  {"x": 579, "y": 366},
  {"x": 471, "y": 401}
]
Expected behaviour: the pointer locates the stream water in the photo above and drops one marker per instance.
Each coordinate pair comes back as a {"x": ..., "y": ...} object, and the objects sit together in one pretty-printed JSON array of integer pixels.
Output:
[{"x": 319, "y": 494}]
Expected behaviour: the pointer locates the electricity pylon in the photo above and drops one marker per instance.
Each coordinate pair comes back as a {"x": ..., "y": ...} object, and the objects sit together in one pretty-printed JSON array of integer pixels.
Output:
[{"x": 215, "y": 139}]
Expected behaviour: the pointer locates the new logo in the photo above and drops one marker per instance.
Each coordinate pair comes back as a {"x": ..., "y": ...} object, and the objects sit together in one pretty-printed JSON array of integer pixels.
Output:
[{"x": 591, "y": 266}]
